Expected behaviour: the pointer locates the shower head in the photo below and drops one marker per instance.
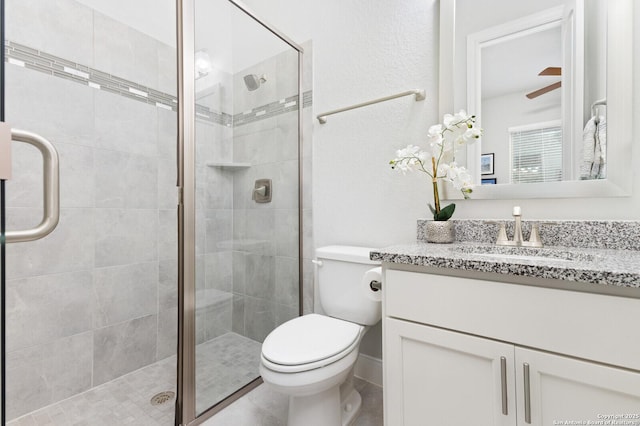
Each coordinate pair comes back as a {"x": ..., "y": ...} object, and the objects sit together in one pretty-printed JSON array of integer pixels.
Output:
[{"x": 252, "y": 81}]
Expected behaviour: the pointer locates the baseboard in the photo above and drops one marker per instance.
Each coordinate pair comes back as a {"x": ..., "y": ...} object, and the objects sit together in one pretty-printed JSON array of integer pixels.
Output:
[{"x": 369, "y": 368}]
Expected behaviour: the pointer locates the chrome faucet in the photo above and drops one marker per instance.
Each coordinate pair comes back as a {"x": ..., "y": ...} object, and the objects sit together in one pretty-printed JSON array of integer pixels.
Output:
[{"x": 518, "y": 240}]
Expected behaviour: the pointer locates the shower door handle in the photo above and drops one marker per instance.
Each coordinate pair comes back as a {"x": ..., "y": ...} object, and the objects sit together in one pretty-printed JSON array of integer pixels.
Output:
[{"x": 51, "y": 172}]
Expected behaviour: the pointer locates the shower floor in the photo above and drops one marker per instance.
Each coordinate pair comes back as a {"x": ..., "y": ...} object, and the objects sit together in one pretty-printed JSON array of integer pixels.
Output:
[{"x": 223, "y": 365}]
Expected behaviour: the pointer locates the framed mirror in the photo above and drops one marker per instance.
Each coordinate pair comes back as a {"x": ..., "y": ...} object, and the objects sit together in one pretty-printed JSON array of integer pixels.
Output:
[{"x": 545, "y": 79}]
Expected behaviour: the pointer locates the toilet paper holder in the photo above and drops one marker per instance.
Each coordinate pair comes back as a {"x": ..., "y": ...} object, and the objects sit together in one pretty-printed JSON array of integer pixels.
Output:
[{"x": 375, "y": 285}]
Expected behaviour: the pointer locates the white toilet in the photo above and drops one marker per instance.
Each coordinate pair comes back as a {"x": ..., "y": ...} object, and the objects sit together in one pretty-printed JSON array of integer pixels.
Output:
[{"x": 311, "y": 358}]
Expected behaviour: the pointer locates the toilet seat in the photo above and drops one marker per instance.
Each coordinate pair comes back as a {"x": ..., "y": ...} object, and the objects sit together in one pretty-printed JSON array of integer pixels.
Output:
[{"x": 309, "y": 342}]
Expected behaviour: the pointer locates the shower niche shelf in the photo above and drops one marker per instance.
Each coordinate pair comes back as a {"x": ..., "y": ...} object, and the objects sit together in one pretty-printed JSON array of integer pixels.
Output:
[{"x": 229, "y": 166}]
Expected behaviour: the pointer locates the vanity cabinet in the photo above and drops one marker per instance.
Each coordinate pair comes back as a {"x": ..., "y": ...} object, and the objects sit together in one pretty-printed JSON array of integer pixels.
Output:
[
  {"x": 439, "y": 377},
  {"x": 455, "y": 353}
]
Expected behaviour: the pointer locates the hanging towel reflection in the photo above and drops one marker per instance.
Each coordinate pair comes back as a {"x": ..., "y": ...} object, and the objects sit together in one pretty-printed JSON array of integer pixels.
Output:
[{"x": 594, "y": 147}]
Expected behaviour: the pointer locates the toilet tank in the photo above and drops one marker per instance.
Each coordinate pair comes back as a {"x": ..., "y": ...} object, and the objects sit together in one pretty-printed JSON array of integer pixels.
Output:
[{"x": 342, "y": 295}]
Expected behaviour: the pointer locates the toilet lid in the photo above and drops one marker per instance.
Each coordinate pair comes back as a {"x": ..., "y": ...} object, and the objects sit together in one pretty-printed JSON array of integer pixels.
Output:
[{"x": 308, "y": 339}]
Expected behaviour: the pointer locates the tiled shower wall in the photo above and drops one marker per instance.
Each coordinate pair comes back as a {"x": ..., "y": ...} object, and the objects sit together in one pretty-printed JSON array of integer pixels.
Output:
[
  {"x": 97, "y": 298},
  {"x": 265, "y": 264},
  {"x": 253, "y": 248}
]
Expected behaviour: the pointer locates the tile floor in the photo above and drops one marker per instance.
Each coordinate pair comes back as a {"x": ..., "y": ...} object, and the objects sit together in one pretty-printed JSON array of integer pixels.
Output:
[
  {"x": 262, "y": 407},
  {"x": 222, "y": 364}
]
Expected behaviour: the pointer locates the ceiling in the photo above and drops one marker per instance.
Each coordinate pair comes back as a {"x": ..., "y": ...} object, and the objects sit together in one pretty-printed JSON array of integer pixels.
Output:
[{"x": 513, "y": 65}]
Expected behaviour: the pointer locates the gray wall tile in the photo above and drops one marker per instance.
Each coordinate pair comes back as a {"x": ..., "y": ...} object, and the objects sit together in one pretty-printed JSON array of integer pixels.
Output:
[
  {"x": 286, "y": 281},
  {"x": 257, "y": 148},
  {"x": 237, "y": 317},
  {"x": 308, "y": 286},
  {"x": 201, "y": 230},
  {"x": 219, "y": 228},
  {"x": 222, "y": 150},
  {"x": 167, "y": 133},
  {"x": 125, "y": 125},
  {"x": 24, "y": 189},
  {"x": 167, "y": 67},
  {"x": 122, "y": 293},
  {"x": 42, "y": 309},
  {"x": 307, "y": 132},
  {"x": 239, "y": 271},
  {"x": 167, "y": 333},
  {"x": 125, "y": 236},
  {"x": 287, "y": 73},
  {"x": 76, "y": 176},
  {"x": 45, "y": 374},
  {"x": 168, "y": 284},
  {"x": 205, "y": 139},
  {"x": 308, "y": 251},
  {"x": 125, "y": 52},
  {"x": 260, "y": 227},
  {"x": 219, "y": 188},
  {"x": 123, "y": 347},
  {"x": 252, "y": 127},
  {"x": 68, "y": 248},
  {"x": 217, "y": 320},
  {"x": 67, "y": 365},
  {"x": 219, "y": 271},
  {"x": 259, "y": 318},
  {"x": 124, "y": 180},
  {"x": 307, "y": 183},
  {"x": 167, "y": 234},
  {"x": 286, "y": 182},
  {"x": 286, "y": 135},
  {"x": 284, "y": 313},
  {"x": 201, "y": 281},
  {"x": 57, "y": 109},
  {"x": 167, "y": 183},
  {"x": 286, "y": 232},
  {"x": 26, "y": 385},
  {"x": 260, "y": 276},
  {"x": 63, "y": 27}
]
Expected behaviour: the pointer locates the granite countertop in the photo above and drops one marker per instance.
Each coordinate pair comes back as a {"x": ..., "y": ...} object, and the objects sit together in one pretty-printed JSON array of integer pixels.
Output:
[{"x": 612, "y": 267}]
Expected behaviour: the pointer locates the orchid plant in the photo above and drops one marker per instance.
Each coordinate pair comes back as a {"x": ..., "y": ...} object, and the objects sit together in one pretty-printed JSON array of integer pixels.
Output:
[{"x": 457, "y": 130}]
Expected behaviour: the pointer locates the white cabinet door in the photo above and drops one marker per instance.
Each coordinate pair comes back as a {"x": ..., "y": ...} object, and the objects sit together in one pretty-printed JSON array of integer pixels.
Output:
[
  {"x": 435, "y": 377},
  {"x": 569, "y": 391}
]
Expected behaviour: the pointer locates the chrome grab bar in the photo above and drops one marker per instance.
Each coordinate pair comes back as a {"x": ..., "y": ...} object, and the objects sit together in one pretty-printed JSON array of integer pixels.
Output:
[{"x": 51, "y": 172}]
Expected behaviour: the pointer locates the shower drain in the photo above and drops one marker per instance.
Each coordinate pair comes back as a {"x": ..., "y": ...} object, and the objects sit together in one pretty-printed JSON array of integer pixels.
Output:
[{"x": 162, "y": 398}]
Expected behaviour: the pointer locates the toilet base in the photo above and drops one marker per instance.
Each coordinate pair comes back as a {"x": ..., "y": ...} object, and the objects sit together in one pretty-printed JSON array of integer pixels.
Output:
[
  {"x": 351, "y": 407},
  {"x": 324, "y": 408}
]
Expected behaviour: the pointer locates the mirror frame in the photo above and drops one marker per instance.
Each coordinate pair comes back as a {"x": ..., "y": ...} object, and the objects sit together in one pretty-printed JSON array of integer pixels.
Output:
[{"x": 619, "y": 113}]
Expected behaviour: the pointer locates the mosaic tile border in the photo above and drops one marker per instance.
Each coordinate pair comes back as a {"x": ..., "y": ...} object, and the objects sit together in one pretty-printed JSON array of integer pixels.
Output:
[
  {"x": 272, "y": 109},
  {"x": 27, "y": 57}
]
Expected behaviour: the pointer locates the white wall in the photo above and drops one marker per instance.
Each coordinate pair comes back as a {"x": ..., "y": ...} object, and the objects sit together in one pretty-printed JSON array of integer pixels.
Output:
[{"x": 363, "y": 50}]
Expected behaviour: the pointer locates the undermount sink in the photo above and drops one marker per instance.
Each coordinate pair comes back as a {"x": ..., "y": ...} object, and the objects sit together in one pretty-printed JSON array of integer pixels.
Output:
[{"x": 523, "y": 253}]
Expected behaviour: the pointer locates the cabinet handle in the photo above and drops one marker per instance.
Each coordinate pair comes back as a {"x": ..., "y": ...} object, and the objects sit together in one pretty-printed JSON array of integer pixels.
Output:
[
  {"x": 527, "y": 394},
  {"x": 503, "y": 381}
]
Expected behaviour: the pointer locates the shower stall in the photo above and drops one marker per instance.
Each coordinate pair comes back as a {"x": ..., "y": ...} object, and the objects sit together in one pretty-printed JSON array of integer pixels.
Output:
[{"x": 177, "y": 133}]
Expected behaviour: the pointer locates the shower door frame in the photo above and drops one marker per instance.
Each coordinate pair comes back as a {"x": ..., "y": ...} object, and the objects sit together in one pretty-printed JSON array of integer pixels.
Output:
[{"x": 186, "y": 387}]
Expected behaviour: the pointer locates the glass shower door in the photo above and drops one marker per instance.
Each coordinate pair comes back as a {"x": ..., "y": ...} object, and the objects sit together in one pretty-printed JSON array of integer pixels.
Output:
[
  {"x": 247, "y": 204},
  {"x": 91, "y": 309}
]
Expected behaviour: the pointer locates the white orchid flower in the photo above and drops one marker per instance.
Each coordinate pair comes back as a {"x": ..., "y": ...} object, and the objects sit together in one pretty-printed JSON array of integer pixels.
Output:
[{"x": 456, "y": 130}]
